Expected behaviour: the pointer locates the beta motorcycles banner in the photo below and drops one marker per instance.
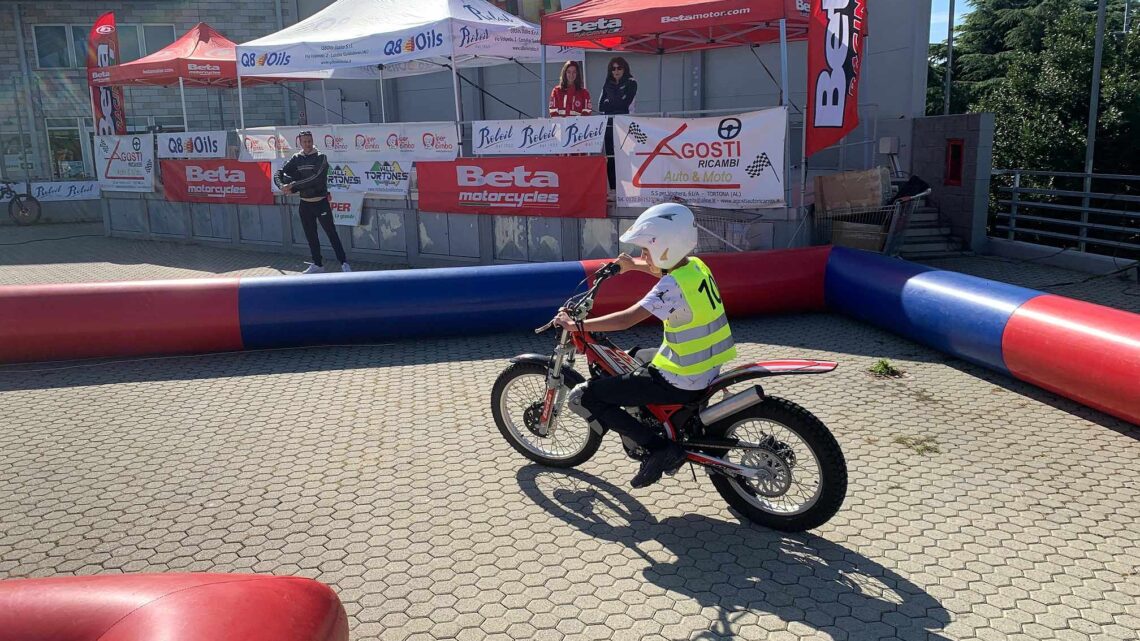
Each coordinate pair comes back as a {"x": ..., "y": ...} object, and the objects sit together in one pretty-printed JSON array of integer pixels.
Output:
[
  {"x": 835, "y": 46},
  {"x": 726, "y": 162},
  {"x": 125, "y": 163},
  {"x": 107, "y": 108},
  {"x": 346, "y": 207},
  {"x": 567, "y": 187},
  {"x": 197, "y": 144},
  {"x": 217, "y": 181},
  {"x": 540, "y": 136}
]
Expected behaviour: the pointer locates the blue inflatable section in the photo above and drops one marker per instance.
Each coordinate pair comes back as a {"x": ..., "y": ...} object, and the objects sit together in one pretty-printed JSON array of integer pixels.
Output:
[
  {"x": 958, "y": 314},
  {"x": 376, "y": 306}
]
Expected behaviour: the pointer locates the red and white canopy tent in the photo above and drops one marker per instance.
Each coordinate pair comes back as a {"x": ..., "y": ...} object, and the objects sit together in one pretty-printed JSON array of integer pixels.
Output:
[
  {"x": 676, "y": 26},
  {"x": 202, "y": 57}
]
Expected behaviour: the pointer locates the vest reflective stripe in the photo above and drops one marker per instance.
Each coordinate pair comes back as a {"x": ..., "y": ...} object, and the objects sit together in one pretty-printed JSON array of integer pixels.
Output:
[
  {"x": 696, "y": 332},
  {"x": 705, "y": 342},
  {"x": 696, "y": 358}
]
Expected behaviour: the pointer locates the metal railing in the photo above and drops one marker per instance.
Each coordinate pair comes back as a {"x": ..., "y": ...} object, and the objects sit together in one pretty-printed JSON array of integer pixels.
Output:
[{"x": 1092, "y": 213}]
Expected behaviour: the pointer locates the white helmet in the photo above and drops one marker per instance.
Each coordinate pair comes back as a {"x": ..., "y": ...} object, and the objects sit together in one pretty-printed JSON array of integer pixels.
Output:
[{"x": 667, "y": 231}]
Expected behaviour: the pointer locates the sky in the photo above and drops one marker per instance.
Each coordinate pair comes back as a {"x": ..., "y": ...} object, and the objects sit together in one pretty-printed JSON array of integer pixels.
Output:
[{"x": 939, "y": 16}]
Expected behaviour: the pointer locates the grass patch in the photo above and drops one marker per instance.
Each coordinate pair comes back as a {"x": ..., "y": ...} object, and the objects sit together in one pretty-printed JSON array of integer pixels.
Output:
[
  {"x": 920, "y": 444},
  {"x": 884, "y": 369}
]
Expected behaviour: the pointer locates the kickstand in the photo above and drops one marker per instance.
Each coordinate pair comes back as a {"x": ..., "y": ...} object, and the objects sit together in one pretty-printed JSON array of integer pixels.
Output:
[{"x": 693, "y": 469}]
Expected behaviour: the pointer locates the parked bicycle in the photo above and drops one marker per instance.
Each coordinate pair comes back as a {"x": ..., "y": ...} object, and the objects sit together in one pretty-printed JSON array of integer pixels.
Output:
[{"x": 24, "y": 209}]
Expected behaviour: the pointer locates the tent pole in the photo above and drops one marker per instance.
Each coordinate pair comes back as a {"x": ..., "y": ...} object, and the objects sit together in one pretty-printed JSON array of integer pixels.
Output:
[
  {"x": 542, "y": 106},
  {"x": 241, "y": 107},
  {"x": 455, "y": 86},
  {"x": 383, "y": 107},
  {"x": 182, "y": 91},
  {"x": 660, "y": 76},
  {"x": 784, "y": 99},
  {"x": 325, "y": 103}
]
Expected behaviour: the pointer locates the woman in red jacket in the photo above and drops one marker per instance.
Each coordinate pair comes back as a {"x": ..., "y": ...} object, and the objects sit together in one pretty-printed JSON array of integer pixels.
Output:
[{"x": 569, "y": 97}]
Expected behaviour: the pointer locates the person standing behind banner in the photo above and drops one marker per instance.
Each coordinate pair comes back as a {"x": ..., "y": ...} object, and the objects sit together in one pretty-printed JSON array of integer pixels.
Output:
[
  {"x": 569, "y": 97},
  {"x": 307, "y": 175},
  {"x": 618, "y": 93}
]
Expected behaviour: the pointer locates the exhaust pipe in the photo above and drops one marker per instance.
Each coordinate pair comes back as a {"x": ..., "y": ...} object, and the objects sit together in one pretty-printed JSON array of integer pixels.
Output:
[{"x": 731, "y": 405}]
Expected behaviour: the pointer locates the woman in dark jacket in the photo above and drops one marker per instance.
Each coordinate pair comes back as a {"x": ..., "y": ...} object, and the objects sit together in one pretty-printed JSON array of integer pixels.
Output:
[{"x": 618, "y": 93}]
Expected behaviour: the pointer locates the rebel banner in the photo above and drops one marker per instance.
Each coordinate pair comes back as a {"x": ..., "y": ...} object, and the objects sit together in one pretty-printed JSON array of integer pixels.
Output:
[
  {"x": 107, "y": 108},
  {"x": 196, "y": 144},
  {"x": 125, "y": 163},
  {"x": 406, "y": 142},
  {"x": 835, "y": 58},
  {"x": 539, "y": 136},
  {"x": 217, "y": 181},
  {"x": 566, "y": 187},
  {"x": 49, "y": 192},
  {"x": 727, "y": 162}
]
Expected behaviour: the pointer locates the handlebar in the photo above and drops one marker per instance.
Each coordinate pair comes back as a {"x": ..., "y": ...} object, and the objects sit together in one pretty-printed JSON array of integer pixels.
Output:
[{"x": 606, "y": 271}]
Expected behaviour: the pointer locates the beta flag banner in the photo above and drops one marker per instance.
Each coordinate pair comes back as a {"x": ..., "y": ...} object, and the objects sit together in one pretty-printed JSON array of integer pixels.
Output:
[
  {"x": 107, "y": 108},
  {"x": 125, "y": 163},
  {"x": 726, "y": 162},
  {"x": 217, "y": 181},
  {"x": 565, "y": 187},
  {"x": 835, "y": 58}
]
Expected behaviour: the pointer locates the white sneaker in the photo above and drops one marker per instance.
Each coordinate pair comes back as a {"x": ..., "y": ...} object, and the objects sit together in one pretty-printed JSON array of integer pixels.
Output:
[
  {"x": 313, "y": 269},
  {"x": 345, "y": 268}
]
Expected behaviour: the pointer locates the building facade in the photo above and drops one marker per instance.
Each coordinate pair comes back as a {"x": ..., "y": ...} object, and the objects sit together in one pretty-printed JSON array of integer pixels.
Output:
[{"x": 45, "y": 117}]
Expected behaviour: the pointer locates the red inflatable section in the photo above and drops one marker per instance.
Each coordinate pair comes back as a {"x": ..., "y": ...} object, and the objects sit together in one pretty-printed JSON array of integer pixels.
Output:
[
  {"x": 751, "y": 283},
  {"x": 170, "y": 607},
  {"x": 47, "y": 322},
  {"x": 1086, "y": 352}
]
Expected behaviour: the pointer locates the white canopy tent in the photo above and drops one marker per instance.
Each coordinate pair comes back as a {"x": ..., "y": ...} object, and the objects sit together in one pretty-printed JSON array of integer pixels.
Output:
[{"x": 378, "y": 39}]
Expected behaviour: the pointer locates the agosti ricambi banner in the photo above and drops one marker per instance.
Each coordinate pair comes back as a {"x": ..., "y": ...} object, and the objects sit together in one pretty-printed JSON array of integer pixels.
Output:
[
  {"x": 566, "y": 187},
  {"x": 727, "y": 162},
  {"x": 125, "y": 163},
  {"x": 217, "y": 181}
]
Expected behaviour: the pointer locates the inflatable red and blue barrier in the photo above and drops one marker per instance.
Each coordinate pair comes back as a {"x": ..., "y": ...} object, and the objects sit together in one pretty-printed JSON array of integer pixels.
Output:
[
  {"x": 1083, "y": 351},
  {"x": 170, "y": 607}
]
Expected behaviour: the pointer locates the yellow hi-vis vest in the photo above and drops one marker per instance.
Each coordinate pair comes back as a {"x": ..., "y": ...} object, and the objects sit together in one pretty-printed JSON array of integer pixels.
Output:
[{"x": 706, "y": 341}]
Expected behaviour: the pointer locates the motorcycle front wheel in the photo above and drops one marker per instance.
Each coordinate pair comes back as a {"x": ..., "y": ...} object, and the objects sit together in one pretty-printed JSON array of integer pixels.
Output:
[
  {"x": 516, "y": 404},
  {"x": 802, "y": 475}
]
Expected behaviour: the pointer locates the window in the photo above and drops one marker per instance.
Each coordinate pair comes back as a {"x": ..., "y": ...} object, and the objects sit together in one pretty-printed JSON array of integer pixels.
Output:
[
  {"x": 79, "y": 45},
  {"x": 129, "y": 46},
  {"x": 156, "y": 37},
  {"x": 13, "y": 151},
  {"x": 955, "y": 156},
  {"x": 52, "y": 46},
  {"x": 65, "y": 46}
]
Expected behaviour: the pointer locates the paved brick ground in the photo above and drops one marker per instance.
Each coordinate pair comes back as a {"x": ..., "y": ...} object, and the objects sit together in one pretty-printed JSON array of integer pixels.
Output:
[{"x": 378, "y": 470}]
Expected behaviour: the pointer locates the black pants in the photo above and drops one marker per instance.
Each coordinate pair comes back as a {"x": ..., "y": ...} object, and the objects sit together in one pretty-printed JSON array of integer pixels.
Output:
[
  {"x": 310, "y": 214},
  {"x": 609, "y": 142},
  {"x": 605, "y": 397}
]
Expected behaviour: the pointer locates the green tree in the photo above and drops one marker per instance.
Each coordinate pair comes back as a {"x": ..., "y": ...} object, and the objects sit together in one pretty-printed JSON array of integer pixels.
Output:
[{"x": 1030, "y": 62}]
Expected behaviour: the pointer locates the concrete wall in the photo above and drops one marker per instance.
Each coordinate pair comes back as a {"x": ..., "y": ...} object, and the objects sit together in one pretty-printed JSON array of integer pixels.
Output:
[{"x": 963, "y": 207}]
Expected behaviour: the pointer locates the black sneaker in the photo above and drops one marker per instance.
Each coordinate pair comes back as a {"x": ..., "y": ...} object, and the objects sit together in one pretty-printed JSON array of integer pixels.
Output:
[{"x": 658, "y": 462}]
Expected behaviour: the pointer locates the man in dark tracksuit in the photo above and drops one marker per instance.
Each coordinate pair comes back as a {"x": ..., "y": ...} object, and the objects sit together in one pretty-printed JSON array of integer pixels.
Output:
[{"x": 307, "y": 175}]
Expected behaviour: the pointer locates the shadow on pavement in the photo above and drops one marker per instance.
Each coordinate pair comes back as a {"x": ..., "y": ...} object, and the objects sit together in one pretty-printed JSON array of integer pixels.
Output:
[{"x": 739, "y": 568}]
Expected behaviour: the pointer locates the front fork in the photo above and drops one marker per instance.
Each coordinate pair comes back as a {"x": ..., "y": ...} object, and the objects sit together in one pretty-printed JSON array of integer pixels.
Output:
[{"x": 555, "y": 385}]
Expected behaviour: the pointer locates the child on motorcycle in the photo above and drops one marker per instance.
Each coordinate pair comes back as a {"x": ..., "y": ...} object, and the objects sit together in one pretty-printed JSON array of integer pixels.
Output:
[{"x": 697, "y": 340}]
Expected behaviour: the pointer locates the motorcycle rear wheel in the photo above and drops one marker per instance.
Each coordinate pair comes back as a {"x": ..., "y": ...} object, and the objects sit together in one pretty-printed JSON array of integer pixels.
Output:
[
  {"x": 521, "y": 386},
  {"x": 808, "y": 474}
]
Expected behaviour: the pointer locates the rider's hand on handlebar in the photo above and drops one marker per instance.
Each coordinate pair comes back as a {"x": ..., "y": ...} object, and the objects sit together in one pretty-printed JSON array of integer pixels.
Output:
[{"x": 564, "y": 321}]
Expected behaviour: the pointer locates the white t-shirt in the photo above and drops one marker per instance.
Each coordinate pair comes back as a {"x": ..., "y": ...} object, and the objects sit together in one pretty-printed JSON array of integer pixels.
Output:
[{"x": 665, "y": 301}]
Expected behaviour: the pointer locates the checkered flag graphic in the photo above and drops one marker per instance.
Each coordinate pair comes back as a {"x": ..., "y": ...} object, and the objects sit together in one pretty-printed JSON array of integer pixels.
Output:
[
  {"x": 758, "y": 166},
  {"x": 637, "y": 133}
]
